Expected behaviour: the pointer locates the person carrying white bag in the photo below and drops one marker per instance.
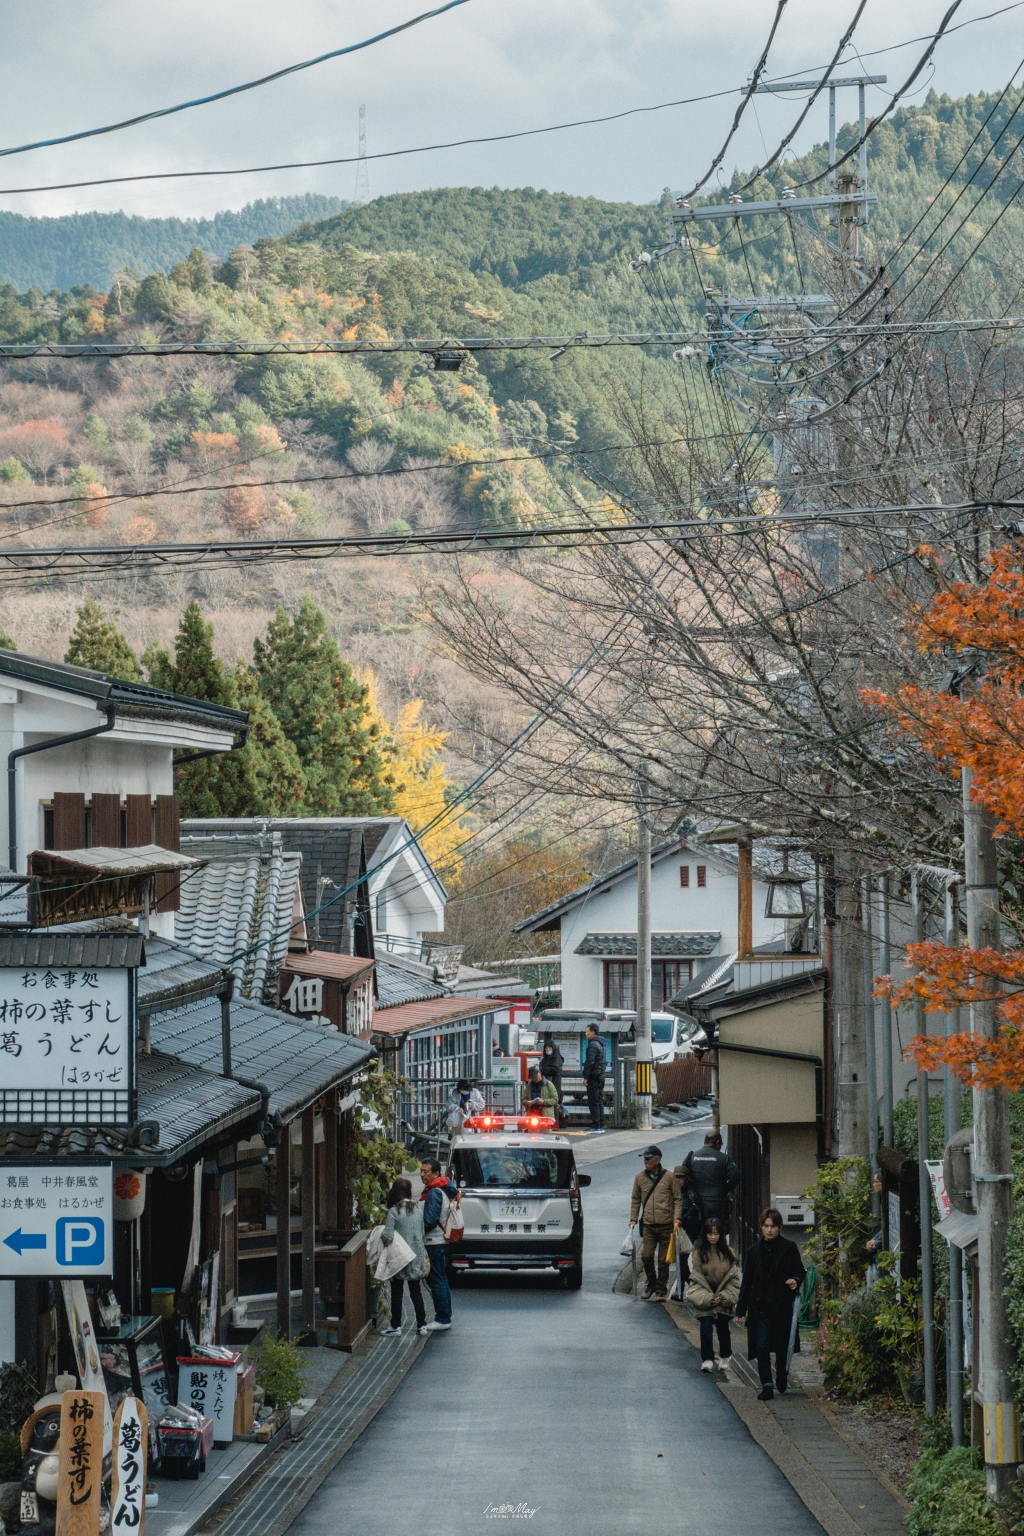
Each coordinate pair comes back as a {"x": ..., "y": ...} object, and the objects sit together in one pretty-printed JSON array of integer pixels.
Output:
[{"x": 403, "y": 1258}]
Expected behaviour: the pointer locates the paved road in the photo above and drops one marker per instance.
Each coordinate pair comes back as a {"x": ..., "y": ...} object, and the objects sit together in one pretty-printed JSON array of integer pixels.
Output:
[{"x": 587, "y": 1408}]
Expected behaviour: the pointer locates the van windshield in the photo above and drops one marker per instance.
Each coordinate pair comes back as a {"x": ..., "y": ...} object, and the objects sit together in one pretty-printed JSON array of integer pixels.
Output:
[
  {"x": 513, "y": 1167},
  {"x": 661, "y": 1031}
]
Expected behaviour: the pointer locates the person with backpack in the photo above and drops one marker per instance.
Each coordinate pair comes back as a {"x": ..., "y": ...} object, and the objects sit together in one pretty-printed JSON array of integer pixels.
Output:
[
  {"x": 712, "y": 1291},
  {"x": 438, "y": 1193},
  {"x": 406, "y": 1218},
  {"x": 714, "y": 1176}
]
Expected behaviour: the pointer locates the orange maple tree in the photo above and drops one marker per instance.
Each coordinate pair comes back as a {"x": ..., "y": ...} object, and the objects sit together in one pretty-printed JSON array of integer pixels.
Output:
[{"x": 984, "y": 731}]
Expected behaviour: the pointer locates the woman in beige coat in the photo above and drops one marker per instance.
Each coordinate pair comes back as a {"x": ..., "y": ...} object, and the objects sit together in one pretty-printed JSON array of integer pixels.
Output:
[{"x": 712, "y": 1290}]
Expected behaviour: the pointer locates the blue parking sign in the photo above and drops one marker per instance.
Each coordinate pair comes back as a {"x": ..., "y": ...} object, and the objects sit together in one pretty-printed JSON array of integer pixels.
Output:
[{"x": 80, "y": 1242}]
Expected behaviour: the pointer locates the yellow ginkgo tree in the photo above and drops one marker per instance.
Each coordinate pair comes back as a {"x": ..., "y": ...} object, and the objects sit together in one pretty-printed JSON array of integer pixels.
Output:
[{"x": 423, "y": 787}]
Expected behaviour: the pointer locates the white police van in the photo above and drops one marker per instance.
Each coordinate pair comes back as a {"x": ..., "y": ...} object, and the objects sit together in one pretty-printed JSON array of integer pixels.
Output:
[{"x": 520, "y": 1198}]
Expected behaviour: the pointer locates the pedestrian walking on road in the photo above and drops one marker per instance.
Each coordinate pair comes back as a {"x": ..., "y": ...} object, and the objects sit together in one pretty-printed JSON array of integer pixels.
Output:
[
  {"x": 657, "y": 1203},
  {"x": 712, "y": 1291},
  {"x": 406, "y": 1218},
  {"x": 593, "y": 1076},
  {"x": 714, "y": 1176},
  {"x": 773, "y": 1273},
  {"x": 438, "y": 1192}
]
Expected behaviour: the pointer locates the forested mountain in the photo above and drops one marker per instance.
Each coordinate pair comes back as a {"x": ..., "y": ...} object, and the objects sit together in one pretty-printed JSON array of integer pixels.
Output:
[{"x": 87, "y": 247}]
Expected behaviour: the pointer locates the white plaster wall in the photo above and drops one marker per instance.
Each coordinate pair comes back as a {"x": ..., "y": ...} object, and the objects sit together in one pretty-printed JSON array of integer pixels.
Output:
[{"x": 674, "y": 908}]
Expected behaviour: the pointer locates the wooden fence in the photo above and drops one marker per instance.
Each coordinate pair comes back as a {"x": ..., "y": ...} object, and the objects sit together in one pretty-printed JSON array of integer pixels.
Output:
[{"x": 682, "y": 1080}]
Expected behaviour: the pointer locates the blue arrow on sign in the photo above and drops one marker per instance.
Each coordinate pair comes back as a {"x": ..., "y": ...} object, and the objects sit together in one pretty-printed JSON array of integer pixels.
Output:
[{"x": 20, "y": 1240}]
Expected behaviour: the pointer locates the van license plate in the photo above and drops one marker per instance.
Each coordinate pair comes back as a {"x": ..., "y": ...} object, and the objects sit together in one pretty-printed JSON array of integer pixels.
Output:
[{"x": 512, "y": 1208}]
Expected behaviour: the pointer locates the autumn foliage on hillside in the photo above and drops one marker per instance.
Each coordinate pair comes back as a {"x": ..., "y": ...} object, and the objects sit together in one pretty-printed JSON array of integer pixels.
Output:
[{"x": 983, "y": 624}]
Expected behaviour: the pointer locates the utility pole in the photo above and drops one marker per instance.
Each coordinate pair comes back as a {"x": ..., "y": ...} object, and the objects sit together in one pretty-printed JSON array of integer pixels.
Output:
[
  {"x": 869, "y": 1031},
  {"x": 924, "y": 1185},
  {"x": 953, "y": 1121},
  {"x": 362, "y": 191},
  {"x": 993, "y": 1178},
  {"x": 852, "y": 1118},
  {"x": 885, "y": 961},
  {"x": 644, "y": 1053}
]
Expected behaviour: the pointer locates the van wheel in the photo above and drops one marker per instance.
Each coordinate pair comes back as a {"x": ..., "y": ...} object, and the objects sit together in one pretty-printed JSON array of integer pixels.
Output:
[{"x": 574, "y": 1278}]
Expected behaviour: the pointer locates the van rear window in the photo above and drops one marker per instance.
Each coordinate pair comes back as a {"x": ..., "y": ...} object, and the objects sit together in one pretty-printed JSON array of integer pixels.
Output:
[{"x": 513, "y": 1167}]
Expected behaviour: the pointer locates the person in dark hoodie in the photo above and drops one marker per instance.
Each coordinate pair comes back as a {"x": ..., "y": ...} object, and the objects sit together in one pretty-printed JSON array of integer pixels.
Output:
[
  {"x": 773, "y": 1273},
  {"x": 437, "y": 1192},
  {"x": 552, "y": 1064}
]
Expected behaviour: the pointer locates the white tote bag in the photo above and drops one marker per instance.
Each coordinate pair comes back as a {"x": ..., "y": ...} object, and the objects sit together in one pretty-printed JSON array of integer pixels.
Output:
[{"x": 397, "y": 1254}]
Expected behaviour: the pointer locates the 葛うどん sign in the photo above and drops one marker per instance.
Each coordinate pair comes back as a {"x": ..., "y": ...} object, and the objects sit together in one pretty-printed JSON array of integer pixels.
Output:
[{"x": 67, "y": 1045}]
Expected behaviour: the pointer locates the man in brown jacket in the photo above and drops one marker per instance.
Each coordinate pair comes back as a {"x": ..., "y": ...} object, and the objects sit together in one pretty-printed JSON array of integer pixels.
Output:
[{"x": 658, "y": 1196}]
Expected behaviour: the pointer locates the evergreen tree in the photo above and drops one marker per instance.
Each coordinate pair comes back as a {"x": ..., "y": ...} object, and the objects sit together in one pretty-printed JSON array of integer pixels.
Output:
[
  {"x": 321, "y": 706},
  {"x": 261, "y": 778},
  {"x": 99, "y": 644}
]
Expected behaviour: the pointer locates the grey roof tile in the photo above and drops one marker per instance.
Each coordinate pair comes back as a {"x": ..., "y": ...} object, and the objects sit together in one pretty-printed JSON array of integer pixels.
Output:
[
  {"x": 238, "y": 912},
  {"x": 664, "y": 946}
]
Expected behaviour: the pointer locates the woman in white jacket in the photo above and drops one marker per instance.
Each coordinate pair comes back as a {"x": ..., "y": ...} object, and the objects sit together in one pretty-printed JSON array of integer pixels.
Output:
[{"x": 405, "y": 1217}]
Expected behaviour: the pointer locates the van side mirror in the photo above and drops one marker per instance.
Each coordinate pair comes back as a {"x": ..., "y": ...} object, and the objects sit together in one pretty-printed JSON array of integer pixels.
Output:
[{"x": 583, "y": 1179}]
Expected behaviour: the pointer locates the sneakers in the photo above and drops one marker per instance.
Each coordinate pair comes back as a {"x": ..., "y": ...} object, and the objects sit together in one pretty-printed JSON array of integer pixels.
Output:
[
  {"x": 725, "y": 1364},
  {"x": 707, "y": 1365},
  {"x": 766, "y": 1394},
  {"x": 390, "y": 1332},
  {"x": 597, "y": 1130},
  {"x": 652, "y": 1296},
  {"x": 660, "y": 1296},
  {"x": 423, "y": 1329},
  {"x": 436, "y": 1327}
]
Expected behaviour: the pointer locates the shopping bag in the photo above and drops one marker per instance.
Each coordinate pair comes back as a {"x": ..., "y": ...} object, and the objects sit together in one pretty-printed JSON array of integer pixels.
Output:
[
  {"x": 396, "y": 1255},
  {"x": 627, "y": 1244},
  {"x": 454, "y": 1225},
  {"x": 375, "y": 1246},
  {"x": 670, "y": 1255}
]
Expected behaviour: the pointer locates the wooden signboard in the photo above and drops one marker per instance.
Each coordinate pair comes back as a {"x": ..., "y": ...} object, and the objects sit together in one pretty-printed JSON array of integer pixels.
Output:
[
  {"x": 80, "y": 1473},
  {"x": 128, "y": 1467}
]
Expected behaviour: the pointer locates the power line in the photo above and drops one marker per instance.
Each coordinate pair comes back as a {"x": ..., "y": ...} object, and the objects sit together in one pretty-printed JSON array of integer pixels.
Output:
[{"x": 234, "y": 90}]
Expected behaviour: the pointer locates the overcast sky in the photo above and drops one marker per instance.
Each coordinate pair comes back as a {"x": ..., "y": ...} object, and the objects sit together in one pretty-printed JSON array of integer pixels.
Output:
[{"x": 491, "y": 66}]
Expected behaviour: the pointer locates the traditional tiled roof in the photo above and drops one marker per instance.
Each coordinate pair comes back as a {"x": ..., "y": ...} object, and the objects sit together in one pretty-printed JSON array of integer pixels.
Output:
[
  {"x": 91, "y": 949},
  {"x": 403, "y": 982},
  {"x": 664, "y": 946},
  {"x": 240, "y": 910},
  {"x": 173, "y": 975},
  {"x": 431, "y": 1014},
  {"x": 297, "y": 1062}
]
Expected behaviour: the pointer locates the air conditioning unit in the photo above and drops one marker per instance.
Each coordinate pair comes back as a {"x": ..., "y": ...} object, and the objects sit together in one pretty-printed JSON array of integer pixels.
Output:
[{"x": 796, "y": 1211}]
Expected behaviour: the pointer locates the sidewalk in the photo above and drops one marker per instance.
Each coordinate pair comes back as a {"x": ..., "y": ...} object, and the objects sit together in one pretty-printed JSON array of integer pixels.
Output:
[{"x": 843, "y": 1490}]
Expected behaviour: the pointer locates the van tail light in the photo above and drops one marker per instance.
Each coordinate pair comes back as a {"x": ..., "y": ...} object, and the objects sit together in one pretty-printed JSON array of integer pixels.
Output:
[{"x": 574, "y": 1196}]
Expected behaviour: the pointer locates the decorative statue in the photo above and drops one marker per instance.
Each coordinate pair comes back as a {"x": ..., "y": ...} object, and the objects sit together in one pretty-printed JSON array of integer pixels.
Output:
[{"x": 39, "y": 1472}]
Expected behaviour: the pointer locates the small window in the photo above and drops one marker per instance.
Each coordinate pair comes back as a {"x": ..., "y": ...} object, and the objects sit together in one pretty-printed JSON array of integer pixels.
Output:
[
  {"x": 684, "y": 875},
  {"x": 702, "y": 874}
]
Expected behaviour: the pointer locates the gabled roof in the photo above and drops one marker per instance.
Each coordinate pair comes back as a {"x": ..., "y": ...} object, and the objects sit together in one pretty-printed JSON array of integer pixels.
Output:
[
  {"x": 242, "y": 910},
  {"x": 664, "y": 946},
  {"x": 132, "y": 699},
  {"x": 550, "y": 917}
]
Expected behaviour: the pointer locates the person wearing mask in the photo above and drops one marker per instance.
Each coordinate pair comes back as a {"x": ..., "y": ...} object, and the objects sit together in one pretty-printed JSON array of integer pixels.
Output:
[
  {"x": 773, "y": 1273},
  {"x": 438, "y": 1192},
  {"x": 540, "y": 1095},
  {"x": 593, "y": 1076},
  {"x": 406, "y": 1218},
  {"x": 658, "y": 1200},
  {"x": 463, "y": 1101},
  {"x": 552, "y": 1064},
  {"x": 712, "y": 1290},
  {"x": 714, "y": 1176}
]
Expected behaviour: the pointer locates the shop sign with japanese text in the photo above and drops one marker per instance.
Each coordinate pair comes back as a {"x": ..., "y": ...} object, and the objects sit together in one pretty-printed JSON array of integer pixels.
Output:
[
  {"x": 128, "y": 1467},
  {"x": 80, "y": 1467},
  {"x": 67, "y": 1046},
  {"x": 56, "y": 1219}
]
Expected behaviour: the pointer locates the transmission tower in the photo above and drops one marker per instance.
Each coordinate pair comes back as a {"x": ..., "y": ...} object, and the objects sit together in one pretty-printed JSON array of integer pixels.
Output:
[{"x": 362, "y": 191}]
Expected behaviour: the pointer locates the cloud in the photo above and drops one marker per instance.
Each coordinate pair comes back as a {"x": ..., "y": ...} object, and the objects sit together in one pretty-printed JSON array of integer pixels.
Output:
[{"x": 492, "y": 66}]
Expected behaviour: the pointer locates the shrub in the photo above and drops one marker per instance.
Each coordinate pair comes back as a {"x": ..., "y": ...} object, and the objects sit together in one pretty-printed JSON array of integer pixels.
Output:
[
  {"x": 12, "y": 471},
  {"x": 278, "y": 1369},
  {"x": 10, "y": 1457},
  {"x": 245, "y": 508},
  {"x": 948, "y": 1495},
  {"x": 843, "y": 1223}
]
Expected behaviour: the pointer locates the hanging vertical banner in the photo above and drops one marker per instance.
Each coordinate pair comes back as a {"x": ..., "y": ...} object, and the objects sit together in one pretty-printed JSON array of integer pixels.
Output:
[
  {"x": 80, "y": 1470},
  {"x": 128, "y": 1467}
]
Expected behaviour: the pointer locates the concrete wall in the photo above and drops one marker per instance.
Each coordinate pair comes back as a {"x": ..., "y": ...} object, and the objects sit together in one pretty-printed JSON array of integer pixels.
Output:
[{"x": 674, "y": 908}]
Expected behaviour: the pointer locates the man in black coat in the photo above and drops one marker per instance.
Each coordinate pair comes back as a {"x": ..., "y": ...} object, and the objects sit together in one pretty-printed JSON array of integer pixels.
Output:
[
  {"x": 713, "y": 1175},
  {"x": 773, "y": 1273},
  {"x": 593, "y": 1076}
]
